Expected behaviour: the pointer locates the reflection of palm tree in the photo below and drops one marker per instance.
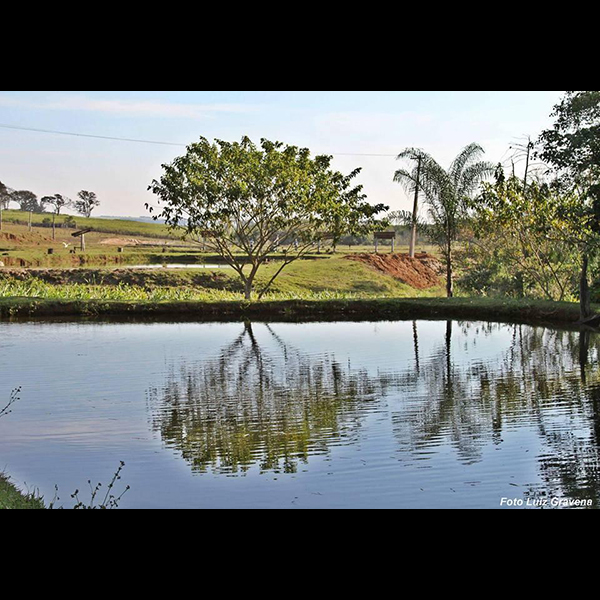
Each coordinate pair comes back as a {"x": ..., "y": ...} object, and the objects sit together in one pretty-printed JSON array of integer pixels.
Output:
[
  {"x": 416, "y": 345},
  {"x": 471, "y": 404},
  {"x": 251, "y": 406},
  {"x": 266, "y": 403}
]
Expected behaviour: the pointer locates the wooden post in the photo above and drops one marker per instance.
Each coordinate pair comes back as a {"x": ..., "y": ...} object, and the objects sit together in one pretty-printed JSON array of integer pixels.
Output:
[
  {"x": 393, "y": 245},
  {"x": 83, "y": 242},
  {"x": 30, "y": 217}
]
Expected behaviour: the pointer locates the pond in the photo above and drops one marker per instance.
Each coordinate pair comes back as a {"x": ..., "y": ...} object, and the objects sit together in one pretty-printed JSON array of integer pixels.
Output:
[
  {"x": 183, "y": 266},
  {"x": 427, "y": 414}
]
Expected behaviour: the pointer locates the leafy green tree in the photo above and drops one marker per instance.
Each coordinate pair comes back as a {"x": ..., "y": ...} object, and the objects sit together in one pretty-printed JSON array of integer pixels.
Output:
[
  {"x": 447, "y": 194},
  {"x": 27, "y": 201},
  {"x": 572, "y": 148},
  {"x": 87, "y": 202},
  {"x": 248, "y": 201},
  {"x": 520, "y": 244}
]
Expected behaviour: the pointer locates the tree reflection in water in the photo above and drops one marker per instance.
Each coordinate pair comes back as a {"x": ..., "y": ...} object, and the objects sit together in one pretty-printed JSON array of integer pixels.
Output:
[
  {"x": 545, "y": 380},
  {"x": 273, "y": 405},
  {"x": 252, "y": 406}
]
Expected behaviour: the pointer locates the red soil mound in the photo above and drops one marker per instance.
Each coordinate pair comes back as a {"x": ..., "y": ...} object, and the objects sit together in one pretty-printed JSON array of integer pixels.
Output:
[{"x": 421, "y": 272}]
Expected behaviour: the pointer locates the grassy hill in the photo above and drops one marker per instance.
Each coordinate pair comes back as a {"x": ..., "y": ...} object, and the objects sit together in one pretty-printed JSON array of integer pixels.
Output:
[{"x": 113, "y": 226}]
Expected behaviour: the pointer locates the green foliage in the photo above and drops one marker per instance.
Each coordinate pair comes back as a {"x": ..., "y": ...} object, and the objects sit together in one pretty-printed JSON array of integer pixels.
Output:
[
  {"x": 572, "y": 146},
  {"x": 242, "y": 198},
  {"x": 527, "y": 240},
  {"x": 28, "y": 201},
  {"x": 13, "y": 499},
  {"x": 86, "y": 204},
  {"x": 307, "y": 279},
  {"x": 58, "y": 202}
]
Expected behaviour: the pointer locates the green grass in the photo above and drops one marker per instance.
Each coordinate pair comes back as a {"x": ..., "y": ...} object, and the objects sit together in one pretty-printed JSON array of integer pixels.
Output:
[
  {"x": 340, "y": 276},
  {"x": 13, "y": 499},
  {"x": 114, "y": 226},
  {"x": 333, "y": 278}
]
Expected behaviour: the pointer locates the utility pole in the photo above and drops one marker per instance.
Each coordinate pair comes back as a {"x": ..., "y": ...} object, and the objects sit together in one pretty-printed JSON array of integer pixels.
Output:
[
  {"x": 528, "y": 159},
  {"x": 413, "y": 233}
]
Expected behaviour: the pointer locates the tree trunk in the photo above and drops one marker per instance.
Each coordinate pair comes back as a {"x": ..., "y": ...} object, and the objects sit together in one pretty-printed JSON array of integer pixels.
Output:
[
  {"x": 248, "y": 289},
  {"x": 585, "y": 301},
  {"x": 449, "y": 271}
]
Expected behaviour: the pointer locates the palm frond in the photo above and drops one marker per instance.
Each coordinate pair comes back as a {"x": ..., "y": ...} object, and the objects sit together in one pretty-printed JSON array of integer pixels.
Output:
[
  {"x": 473, "y": 176},
  {"x": 407, "y": 179},
  {"x": 470, "y": 154},
  {"x": 413, "y": 154}
]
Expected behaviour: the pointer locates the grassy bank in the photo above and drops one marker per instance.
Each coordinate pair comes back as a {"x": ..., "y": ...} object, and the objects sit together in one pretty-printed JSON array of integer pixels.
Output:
[
  {"x": 308, "y": 309},
  {"x": 328, "y": 289},
  {"x": 331, "y": 278},
  {"x": 13, "y": 499}
]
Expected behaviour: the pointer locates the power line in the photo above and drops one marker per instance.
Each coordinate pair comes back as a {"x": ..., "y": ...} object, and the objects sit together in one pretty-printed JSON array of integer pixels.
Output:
[
  {"x": 154, "y": 142},
  {"x": 87, "y": 135}
]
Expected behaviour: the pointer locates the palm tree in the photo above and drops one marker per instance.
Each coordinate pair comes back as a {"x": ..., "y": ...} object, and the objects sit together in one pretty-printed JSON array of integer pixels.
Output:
[
  {"x": 412, "y": 182},
  {"x": 447, "y": 194}
]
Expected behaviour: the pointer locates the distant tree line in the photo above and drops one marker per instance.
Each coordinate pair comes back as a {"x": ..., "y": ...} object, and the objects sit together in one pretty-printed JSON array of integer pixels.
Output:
[{"x": 27, "y": 201}]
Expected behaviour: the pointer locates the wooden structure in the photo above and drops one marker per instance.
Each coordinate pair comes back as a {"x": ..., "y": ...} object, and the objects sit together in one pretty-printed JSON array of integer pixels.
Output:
[
  {"x": 324, "y": 238},
  {"x": 81, "y": 234},
  {"x": 384, "y": 236}
]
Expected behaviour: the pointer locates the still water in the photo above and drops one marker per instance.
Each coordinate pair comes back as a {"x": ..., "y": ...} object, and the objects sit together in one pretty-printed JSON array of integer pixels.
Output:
[{"x": 319, "y": 415}]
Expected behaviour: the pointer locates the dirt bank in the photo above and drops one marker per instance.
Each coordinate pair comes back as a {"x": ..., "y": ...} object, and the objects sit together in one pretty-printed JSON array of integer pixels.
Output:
[{"x": 422, "y": 272}]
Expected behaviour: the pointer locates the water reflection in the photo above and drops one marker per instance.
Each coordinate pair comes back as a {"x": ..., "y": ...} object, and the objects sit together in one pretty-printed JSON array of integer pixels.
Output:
[
  {"x": 544, "y": 381},
  {"x": 270, "y": 404},
  {"x": 252, "y": 406}
]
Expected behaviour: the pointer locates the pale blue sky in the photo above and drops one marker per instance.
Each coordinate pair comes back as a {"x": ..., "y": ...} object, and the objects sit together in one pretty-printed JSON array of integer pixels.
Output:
[{"x": 380, "y": 122}]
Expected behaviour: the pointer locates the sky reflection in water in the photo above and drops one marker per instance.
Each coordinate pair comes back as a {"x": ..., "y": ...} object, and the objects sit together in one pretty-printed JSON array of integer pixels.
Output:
[{"x": 331, "y": 415}]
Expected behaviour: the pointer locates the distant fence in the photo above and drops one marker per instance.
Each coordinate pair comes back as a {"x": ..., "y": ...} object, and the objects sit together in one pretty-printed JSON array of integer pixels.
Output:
[{"x": 46, "y": 223}]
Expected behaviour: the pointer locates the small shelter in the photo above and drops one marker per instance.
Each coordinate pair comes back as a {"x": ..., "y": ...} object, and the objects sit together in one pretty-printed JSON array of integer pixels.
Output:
[
  {"x": 385, "y": 236},
  {"x": 81, "y": 234}
]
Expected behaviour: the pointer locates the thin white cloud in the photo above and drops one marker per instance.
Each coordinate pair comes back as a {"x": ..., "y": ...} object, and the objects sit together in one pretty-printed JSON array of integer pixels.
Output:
[
  {"x": 131, "y": 108},
  {"x": 361, "y": 123}
]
